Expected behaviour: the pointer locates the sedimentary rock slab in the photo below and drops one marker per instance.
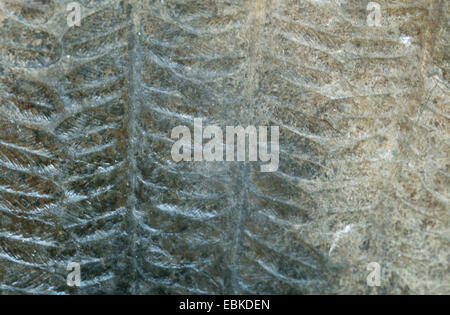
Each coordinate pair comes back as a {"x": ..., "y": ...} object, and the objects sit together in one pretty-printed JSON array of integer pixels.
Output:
[{"x": 86, "y": 173}]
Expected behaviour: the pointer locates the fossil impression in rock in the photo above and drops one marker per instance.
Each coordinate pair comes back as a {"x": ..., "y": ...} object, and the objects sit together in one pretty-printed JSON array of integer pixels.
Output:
[{"x": 86, "y": 173}]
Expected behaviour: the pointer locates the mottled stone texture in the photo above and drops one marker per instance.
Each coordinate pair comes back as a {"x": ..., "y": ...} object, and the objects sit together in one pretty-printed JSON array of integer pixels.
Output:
[{"x": 85, "y": 168}]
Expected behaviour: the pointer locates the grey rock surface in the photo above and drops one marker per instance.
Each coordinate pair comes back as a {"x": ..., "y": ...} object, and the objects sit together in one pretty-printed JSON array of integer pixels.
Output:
[{"x": 86, "y": 174}]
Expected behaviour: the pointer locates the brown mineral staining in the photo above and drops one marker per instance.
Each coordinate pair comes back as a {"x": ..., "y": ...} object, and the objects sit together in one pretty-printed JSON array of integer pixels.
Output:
[{"x": 37, "y": 11}]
